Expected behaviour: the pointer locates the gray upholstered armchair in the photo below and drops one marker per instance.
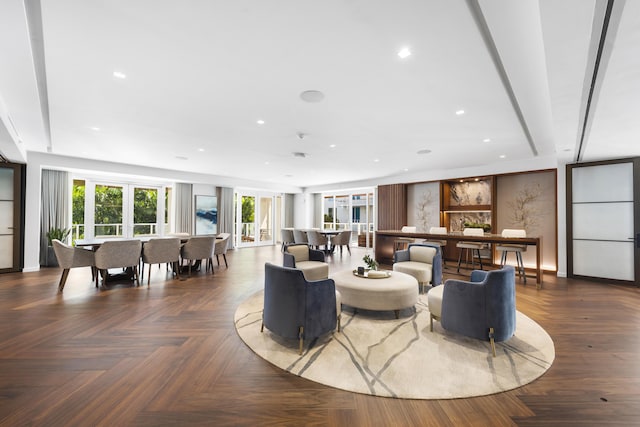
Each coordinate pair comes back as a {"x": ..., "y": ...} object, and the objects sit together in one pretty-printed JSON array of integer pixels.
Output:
[
  {"x": 297, "y": 308},
  {"x": 482, "y": 308},
  {"x": 310, "y": 261},
  {"x": 421, "y": 260}
]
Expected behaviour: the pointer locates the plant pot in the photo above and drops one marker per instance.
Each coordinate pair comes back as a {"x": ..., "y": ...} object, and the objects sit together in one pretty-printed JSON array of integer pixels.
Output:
[{"x": 52, "y": 261}]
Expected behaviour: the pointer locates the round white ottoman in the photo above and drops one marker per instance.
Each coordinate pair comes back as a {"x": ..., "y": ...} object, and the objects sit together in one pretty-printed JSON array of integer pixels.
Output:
[{"x": 396, "y": 292}]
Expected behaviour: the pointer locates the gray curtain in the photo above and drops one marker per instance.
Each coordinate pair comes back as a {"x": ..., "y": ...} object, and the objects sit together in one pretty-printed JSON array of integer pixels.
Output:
[
  {"x": 288, "y": 210},
  {"x": 225, "y": 213},
  {"x": 55, "y": 202},
  {"x": 184, "y": 208}
]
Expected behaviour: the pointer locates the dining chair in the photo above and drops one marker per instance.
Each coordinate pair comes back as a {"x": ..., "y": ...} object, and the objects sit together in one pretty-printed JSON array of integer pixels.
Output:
[
  {"x": 159, "y": 251},
  {"x": 300, "y": 236},
  {"x": 220, "y": 247},
  {"x": 315, "y": 240},
  {"x": 118, "y": 254},
  {"x": 199, "y": 248},
  {"x": 286, "y": 237},
  {"x": 71, "y": 257},
  {"x": 342, "y": 239}
]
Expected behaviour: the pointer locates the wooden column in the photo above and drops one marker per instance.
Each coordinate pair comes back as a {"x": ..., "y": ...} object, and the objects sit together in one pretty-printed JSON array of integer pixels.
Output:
[{"x": 392, "y": 206}]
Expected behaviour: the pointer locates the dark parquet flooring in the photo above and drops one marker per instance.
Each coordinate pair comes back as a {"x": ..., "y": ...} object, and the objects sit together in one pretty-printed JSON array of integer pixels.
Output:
[{"x": 168, "y": 354}]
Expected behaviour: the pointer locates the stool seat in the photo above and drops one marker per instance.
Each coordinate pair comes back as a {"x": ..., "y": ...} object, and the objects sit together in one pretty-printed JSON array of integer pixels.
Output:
[{"x": 517, "y": 249}]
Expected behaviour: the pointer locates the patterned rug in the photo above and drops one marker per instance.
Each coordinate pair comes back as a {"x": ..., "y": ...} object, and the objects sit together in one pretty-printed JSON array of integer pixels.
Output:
[{"x": 377, "y": 354}]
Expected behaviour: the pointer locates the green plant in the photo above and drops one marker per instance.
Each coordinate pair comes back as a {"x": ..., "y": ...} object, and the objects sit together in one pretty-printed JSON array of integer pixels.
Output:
[
  {"x": 371, "y": 263},
  {"x": 485, "y": 227},
  {"x": 58, "y": 233}
]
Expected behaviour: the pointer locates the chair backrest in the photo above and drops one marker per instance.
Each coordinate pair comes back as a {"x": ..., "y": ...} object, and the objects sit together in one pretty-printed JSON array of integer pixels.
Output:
[
  {"x": 419, "y": 253},
  {"x": 118, "y": 253},
  {"x": 64, "y": 253},
  {"x": 290, "y": 301},
  {"x": 200, "y": 247},
  {"x": 300, "y": 236},
  {"x": 438, "y": 230},
  {"x": 315, "y": 238},
  {"x": 221, "y": 245},
  {"x": 408, "y": 229},
  {"x": 342, "y": 238},
  {"x": 160, "y": 250},
  {"x": 300, "y": 252},
  {"x": 510, "y": 232},
  {"x": 473, "y": 232},
  {"x": 286, "y": 235}
]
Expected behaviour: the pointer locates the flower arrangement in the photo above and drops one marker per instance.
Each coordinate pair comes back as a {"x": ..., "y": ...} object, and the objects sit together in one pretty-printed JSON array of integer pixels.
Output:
[{"x": 372, "y": 264}]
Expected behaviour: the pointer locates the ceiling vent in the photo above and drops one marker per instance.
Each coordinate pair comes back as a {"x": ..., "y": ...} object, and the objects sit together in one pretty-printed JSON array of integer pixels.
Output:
[{"x": 299, "y": 154}]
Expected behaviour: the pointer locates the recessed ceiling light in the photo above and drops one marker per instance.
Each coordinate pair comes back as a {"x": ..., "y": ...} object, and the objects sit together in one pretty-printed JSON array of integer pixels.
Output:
[
  {"x": 462, "y": 180},
  {"x": 312, "y": 96},
  {"x": 486, "y": 140},
  {"x": 477, "y": 179},
  {"x": 502, "y": 156},
  {"x": 260, "y": 121},
  {"x": 97, "y": 129},
  {"x": 266, "y": 163},
  {"x": 424, "y": 151},
  {"x": 404, "y": 52},
  {"x": 406, "y": 170},
  {"x": 201, "y": 149},
  {"x": 119, "y": 75},
  {"x": 376, "y": 160},
  {"x": 459, "y": 112},
  {"x": 332, "y": 146}
]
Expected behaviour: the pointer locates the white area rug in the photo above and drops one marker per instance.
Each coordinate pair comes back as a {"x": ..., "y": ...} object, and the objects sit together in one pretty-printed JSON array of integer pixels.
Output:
[{"x": 377, "y": 354}]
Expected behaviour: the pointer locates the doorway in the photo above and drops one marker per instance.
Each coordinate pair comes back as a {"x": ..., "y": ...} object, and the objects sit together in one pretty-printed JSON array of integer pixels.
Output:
[
  {"x": 603, "y": 220},
  {"x": 254, "y": 219}
]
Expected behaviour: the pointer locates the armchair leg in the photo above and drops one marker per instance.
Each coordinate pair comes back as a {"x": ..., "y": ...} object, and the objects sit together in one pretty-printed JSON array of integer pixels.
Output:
[
  {"x": 63, "y": 279},
  {"x": 430, "y": 322},
  {"x": 492, "y": 341},
  {"x": 262, "y": 327},
  {"x": 339, "y": 319},
  {"x": 300, "y": 337},
  {"x": 225, "y": 260}
]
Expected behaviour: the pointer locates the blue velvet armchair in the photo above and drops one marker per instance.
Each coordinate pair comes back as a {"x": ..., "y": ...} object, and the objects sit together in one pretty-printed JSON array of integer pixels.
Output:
[
  {"x": 297, "y": 308},
  {"x": 482, "y": 308}
]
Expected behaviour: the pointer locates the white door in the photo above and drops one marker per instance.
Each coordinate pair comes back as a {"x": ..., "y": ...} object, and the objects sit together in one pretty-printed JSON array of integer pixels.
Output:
[
  {"x": 603, "y": 221},
  {"x": 254, "y": 219},
  {"x": 6, "y": 217}
]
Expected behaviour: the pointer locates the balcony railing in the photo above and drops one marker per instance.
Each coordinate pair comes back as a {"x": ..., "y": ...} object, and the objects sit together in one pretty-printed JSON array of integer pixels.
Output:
[{"x": 116, "y": 230}]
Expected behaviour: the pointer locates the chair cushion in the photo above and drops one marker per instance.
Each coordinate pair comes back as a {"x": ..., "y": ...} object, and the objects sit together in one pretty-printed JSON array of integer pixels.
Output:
[
  {"x": 300, "y": 253},
  {"x": 422, "y": 254},
  {"x": 470, "y": 245},
  {"x": 434, "y": 300},
  {"x": 313, "y": 270},
  {"x": 511, "y": 248},
  {"x": 420, "y": 270}
]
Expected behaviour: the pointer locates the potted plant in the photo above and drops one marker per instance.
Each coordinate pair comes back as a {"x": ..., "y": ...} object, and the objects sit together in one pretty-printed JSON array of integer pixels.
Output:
[
  {"x": 59, "y": 234},
  {"x": 372, "y": 264}
]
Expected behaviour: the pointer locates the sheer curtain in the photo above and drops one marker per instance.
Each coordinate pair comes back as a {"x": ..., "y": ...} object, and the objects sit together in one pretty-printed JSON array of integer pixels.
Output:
[
  {"x": 225, "y": 212},
  {"x": 288, "y": 210},
  {"x": 184, "y": 208},
  {"x": 55, "y": 201}
]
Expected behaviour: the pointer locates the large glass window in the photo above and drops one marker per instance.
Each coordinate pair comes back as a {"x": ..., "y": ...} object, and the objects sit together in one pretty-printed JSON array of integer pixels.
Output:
[
  {"x": 351, "y": 211},
  {"x": 104, "y": 210}
]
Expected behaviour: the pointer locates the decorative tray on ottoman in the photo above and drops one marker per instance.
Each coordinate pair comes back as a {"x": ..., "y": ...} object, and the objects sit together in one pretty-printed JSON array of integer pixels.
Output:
[{"x": 373, "y": 274}]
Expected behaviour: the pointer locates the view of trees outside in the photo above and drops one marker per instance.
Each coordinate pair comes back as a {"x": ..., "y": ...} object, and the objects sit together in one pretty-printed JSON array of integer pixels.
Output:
[
  {"x": 77, "y": 216},
  {"x": 248, "y": 218},
  {"x": 108, "y": 215},
  {"x": 145, "y": 208},
  {"x": 108, "y": 210}
]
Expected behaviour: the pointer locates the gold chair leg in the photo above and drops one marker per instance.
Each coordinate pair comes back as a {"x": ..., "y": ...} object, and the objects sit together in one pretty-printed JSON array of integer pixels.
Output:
[
  {"x": 493, "y": 343},
  {"x": 431, "y": 322},
  {"x": 300, "y": 337}
]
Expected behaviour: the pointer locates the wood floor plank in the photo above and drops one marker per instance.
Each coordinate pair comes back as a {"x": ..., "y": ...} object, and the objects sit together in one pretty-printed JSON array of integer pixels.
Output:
[{"x": 168, "y": 354}]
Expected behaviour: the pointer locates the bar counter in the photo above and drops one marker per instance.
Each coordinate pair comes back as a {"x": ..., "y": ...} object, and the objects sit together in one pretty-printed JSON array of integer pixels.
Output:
[{"x": 385, "y": 244}]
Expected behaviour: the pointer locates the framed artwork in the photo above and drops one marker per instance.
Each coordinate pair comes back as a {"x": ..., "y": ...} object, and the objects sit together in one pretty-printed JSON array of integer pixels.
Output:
[{"x": 206, "y": 215}]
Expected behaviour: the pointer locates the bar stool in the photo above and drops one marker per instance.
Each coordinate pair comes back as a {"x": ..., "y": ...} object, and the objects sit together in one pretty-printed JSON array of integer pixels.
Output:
[
  {"x": 402, "y": 243},
  {"x": 515, "y": 248},
  {"x": 441, "y": 243},
  {"x": 474, "y": 247}
]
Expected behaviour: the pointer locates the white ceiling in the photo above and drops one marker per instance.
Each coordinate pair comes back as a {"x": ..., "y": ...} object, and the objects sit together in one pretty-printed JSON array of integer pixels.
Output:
[{"x": 199, "y": 74}]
